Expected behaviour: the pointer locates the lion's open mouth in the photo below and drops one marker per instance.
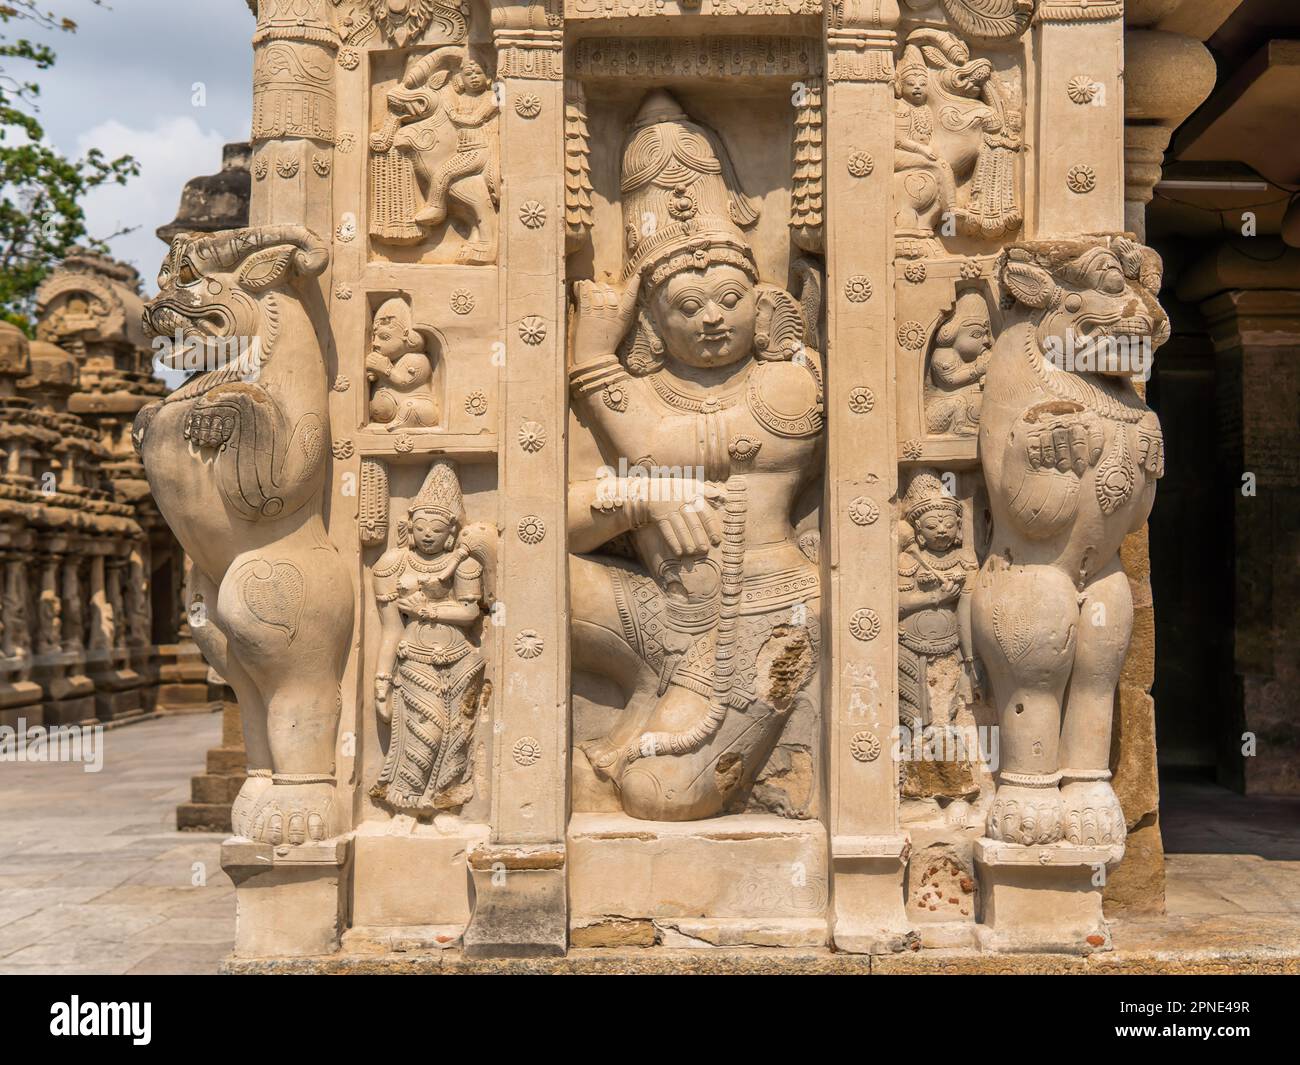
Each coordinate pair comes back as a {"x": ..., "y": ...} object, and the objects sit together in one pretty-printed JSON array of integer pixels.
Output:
[
  {"x": 196, "y": 326},
  {"x": 1139, "y": 325},
  {"x": 165, "y": 318}
]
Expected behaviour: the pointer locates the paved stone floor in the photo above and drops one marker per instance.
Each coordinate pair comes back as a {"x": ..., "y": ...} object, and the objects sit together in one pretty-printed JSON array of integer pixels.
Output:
[
  {"x": 94, "y": 877},
  {"x": 1226, "y": 854}
]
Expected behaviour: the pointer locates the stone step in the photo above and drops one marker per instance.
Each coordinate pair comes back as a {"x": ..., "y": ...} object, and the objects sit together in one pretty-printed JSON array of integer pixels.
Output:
[
  {"x": 227, "y": 761},
  {"x": 203, "y": 817},
  {"x": 213, "y": 788}
]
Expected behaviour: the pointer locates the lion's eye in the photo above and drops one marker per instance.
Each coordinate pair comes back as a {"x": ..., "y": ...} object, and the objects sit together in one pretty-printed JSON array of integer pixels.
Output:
[{"x": 187, "y": 275}]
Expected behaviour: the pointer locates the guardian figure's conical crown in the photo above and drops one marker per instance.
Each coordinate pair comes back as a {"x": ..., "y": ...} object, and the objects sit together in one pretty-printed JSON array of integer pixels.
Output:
[{"x": 682, "y": 204}]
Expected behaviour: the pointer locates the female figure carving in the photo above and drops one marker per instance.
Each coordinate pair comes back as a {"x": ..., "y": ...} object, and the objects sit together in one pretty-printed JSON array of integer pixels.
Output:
[{"x": 429, "y": 684}]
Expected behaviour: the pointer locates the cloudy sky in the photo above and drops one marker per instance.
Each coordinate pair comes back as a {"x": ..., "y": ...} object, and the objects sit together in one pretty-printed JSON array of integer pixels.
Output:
[{"x": 167, "y": 81}]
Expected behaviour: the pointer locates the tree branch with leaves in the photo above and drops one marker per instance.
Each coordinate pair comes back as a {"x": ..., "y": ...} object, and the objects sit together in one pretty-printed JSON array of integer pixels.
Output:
[{"x": 41, "y": 217}]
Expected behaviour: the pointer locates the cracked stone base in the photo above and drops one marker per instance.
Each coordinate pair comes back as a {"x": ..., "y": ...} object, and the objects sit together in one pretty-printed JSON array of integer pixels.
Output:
[
  {"x": 747, "y": 880},
  {"x": 291, "y": 901},
  {"x": 1043, "y": 899},
  {"x": 407, "y": 939},
  {"x": 698, "y": 932},
  {"x": 411, "y": 875},
  {"x": 870, "y": 917}
]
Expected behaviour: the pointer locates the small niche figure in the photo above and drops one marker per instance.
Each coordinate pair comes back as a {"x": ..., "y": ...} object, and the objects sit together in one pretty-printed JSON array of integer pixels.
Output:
[
  {"x": 400, "y": 369},
  {"x": 936, "y": 665},
  {"x": 955, "y": 390}
]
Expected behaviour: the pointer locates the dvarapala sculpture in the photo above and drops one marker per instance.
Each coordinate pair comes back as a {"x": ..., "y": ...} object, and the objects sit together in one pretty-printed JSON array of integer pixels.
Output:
[
  {"x": 1071, "y": 455},
  {"x": 236, "y": 458},
  {"x": 429, "y": 686},
  {"x": 708, "y": 413}
]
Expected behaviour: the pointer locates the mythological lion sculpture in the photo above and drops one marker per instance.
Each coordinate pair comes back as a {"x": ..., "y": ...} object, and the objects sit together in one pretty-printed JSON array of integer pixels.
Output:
[
  {"x": 236, "y": 459},
  {"x": 1071, "y": 455}
]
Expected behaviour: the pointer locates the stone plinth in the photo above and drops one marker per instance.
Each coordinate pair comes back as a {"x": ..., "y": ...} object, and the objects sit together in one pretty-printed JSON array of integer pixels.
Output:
[
  {"x": 410, "y": 875},
  {"x": 749, "y": 880},
  {"x": 869, "y": 871},
  {"x": 117, "y": 694},
  {"x": 520, "y": 901},
  {"x": 292, "y": 900},
  {"x": 1042, "y": 899}
]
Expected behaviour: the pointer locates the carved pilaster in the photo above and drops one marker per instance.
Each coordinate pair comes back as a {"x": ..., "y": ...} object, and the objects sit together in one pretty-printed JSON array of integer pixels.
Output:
[
  {"x": 860, "y": 40},
  {"x": 19, "y": 696},
  {"x": 1077, "y": 159},
  {"x": 294, "y": 50},
  {"x": 49, "y": 639},
  {"x": 17, "y": 618},
  {"x": 1166, "y": 77},
  {"x": 867, "y": 849},
  {"x": 74, "y": 616},
  {"x": 520, "y": 873},
  {"x": 529, "y": 40}
]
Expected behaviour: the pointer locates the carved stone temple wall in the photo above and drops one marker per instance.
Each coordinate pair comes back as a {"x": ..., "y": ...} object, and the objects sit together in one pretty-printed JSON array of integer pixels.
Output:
[
  {"x": 91, "y": 574},
  {"x": 673, "y": 489}
]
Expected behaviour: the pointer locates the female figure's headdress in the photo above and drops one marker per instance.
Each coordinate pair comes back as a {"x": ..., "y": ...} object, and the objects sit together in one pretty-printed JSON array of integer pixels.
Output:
[{"x": 440, "y": 495}]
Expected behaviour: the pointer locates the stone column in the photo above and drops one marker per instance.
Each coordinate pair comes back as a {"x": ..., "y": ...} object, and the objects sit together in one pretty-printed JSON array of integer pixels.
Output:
[
  {"x": 49, "y": 626},
  {"x": 19, "y": 695},
  {"x": 18, "y": 630},
  {"x": 868, "y": 850},
  {"x": 1166, "y": 77},
  {"x": 519, "y": 874},
  {"x": 294, "y": 48},
  {"x": 1036, "y": 898},
  {"x": 72, "y": 693},
  {"x": 117, "y": 685},
  {"x": 74, "y": 614},
  {"x": 1247, "y": 291}
]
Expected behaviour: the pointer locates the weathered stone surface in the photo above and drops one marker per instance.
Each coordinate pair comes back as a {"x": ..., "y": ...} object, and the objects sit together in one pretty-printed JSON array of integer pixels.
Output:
[
  {"x": 292, "y": 898},
  {"x": 1043, "y": 899},
  {"x": 613, "y": 932},
  {"x": 605, "y": 503},
  {"x": 409, "y": 875},
  {"x": 749, "y": 868},
  {"x": 1137, "y": 885}
]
